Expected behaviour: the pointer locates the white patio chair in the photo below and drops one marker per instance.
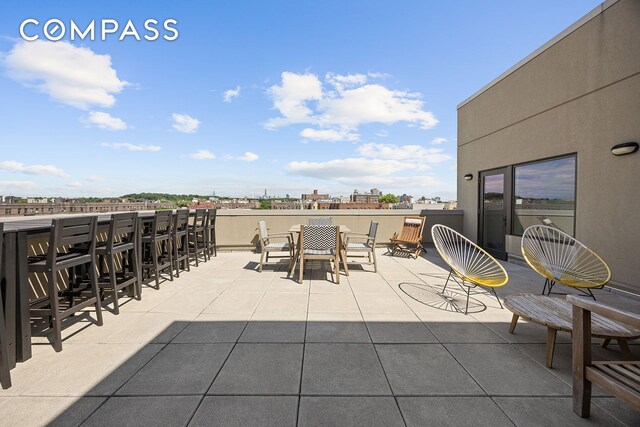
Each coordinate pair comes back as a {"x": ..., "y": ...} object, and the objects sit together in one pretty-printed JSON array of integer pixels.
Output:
[
  {"x": 359, "y": 243},
  {"x": 267, "y": 245}
]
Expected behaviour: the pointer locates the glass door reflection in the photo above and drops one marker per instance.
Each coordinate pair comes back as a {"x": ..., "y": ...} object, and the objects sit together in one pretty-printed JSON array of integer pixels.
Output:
[{"x": 493, "y": 213}]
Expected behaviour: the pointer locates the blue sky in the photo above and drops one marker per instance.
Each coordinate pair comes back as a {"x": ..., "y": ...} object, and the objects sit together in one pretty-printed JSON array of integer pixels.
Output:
[{"x": 284, "y": 95}]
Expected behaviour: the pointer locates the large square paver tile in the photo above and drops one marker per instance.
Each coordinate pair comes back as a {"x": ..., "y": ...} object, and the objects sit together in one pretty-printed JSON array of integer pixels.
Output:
[
  {"x": 49, "y": 411},
  {"x": 143, "y": 411},
  {"x": 562, "y": 363},
  {"x": 338, "y": 369},
  {"x": 424, "y": 369},
  {"x": 463, "y": 332},
  {"x": 618, "y": 409},
  {"x": 397, "y": 328},
  {"x": 452, "y": 411},
  {"x": 333, "y": 303},
  {"x": 179, "y": 369},
  {"x": 349, "y": 411},
  {"x": 336, "y": 327},
  {"x": 550, "y": 411},
  {"x": 97, "y": 370},
  {"x": 381, "y": 303},
  {"x": 503, "y": 370},
  {"x": 285, "y": 331},
  {"x": 246, "y": 411},
  {"x": 261, "y": 369},
  {"x": 157, "y": 328},
  {"x": 287, "y": 303},
  {"x": 212, "y": 328},
  {"x": 228, "y": 302}
]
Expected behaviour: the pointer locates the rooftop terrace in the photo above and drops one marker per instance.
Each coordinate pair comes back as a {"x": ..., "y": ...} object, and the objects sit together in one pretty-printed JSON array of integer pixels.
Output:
[{"x": 226, "y": 345}]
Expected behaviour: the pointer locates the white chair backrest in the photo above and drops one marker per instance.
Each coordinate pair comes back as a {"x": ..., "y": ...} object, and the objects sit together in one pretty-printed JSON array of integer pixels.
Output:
[{"x": 264, "y": 234}]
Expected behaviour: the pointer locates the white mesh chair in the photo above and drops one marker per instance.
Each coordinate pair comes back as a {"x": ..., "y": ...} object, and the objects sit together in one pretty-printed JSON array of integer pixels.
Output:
[
  {"x": 267, "y": 244},
  {"x": 356, "y": 244},
  {"x": 320, "y": 242},
  {"x": 560, "y": 258},
  {"x": 470, "y": 265},
  {"x": 320, "y": 220}
]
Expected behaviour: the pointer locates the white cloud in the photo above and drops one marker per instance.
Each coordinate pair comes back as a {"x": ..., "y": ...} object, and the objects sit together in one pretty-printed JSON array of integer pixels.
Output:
[
  {"x": 332, "y": 135},
  {"x": 248, "y": 156},
  {"x": 231, "y": 93},
  {"x": 185, "y": 123},
  {"x": 105, "y": 121},
  {"x": 350, "y": 167},
  {"x": 21, "y": 185},
  {"x": 439, "y": 140},
  {"x": 382, "y": 133},
  {"x": 413, "y": 153},
  {"x": 373, "y": 103},
  {"x": 362, "y": 172},
  {"x": 300, "y": 98},
  {"x": 131, "y": 147},
  {"x": 343, "y": 81},
  {"x": 75, "y": 76},
  {"x": 95, "y": 178},
  {"x": 291, "y": 98},
  {"x": 13, "y": 166},
  {"x": 202, "y": 155},
  {"x": 74, "y": 185}
]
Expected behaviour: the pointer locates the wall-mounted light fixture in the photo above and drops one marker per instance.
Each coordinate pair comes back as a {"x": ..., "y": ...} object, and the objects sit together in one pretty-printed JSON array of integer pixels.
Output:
[
  {"x": 624, "y": 148},
  {"x": 468, "y": 177}
]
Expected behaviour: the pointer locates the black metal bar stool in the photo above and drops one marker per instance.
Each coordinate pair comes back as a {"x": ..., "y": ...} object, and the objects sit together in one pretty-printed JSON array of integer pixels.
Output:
[
  {"x": 157, "y": 247},
  {"x": 120, "y": 248},
  {"x": 211, "y": 232},
  {"x": 5, "y": 375},
  {"x": 181, "y": 240},
  {"x": 197, "y": 235},
  {"x": 66, "y": 232}
]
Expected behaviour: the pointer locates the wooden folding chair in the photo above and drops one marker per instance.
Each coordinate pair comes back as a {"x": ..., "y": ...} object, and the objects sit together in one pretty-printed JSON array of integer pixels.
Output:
[{"x": 409, "y": 240}]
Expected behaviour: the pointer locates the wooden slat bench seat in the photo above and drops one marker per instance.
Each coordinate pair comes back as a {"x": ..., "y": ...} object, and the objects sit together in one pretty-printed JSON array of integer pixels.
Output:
[
  {"x": 556, "y": 315},
  {"x": 621, "y": 379}
]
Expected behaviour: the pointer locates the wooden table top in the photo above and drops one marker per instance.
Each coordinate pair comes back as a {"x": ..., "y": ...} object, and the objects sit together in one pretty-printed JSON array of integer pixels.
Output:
[
  {"x": 296, "y": 228},
  {"x": 557, "y": 313}
]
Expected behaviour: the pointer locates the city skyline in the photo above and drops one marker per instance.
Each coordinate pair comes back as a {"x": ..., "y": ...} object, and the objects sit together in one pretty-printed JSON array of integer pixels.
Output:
[{"x": 237, "y": 103}]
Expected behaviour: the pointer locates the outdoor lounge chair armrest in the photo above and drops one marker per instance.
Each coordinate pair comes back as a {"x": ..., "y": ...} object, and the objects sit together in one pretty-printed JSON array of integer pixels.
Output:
[{"x": 605, "y": 310}]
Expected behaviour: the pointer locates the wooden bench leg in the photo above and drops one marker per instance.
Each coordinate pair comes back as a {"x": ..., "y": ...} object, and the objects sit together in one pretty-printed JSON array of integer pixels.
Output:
[
  {"x": 551, "y": 345},
  {"x": 581, "y": 346},
  {"x": 624, "y": 347},
  {"x": 514, "y": 322},
  {"x": 605, "y": 342}
]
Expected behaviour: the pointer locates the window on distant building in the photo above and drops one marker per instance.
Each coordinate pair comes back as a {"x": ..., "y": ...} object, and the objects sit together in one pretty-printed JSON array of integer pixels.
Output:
[{"x": 545, "y": 190}]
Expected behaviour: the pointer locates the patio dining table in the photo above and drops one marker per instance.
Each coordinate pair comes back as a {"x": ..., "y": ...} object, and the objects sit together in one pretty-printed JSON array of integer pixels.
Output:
[{"x": 296, "y": 229}]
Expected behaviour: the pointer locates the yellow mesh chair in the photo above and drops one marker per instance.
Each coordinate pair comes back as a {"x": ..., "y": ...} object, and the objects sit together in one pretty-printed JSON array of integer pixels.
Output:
[
  {"x": 560, "y": 258},
  {"x": 470, "y": 265}
]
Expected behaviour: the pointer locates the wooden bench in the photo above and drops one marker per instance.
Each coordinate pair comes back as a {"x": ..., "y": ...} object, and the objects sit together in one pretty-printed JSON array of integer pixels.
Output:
[
  {"x": 621, "y": 379},
  {"x": 556, "y": 315}
]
